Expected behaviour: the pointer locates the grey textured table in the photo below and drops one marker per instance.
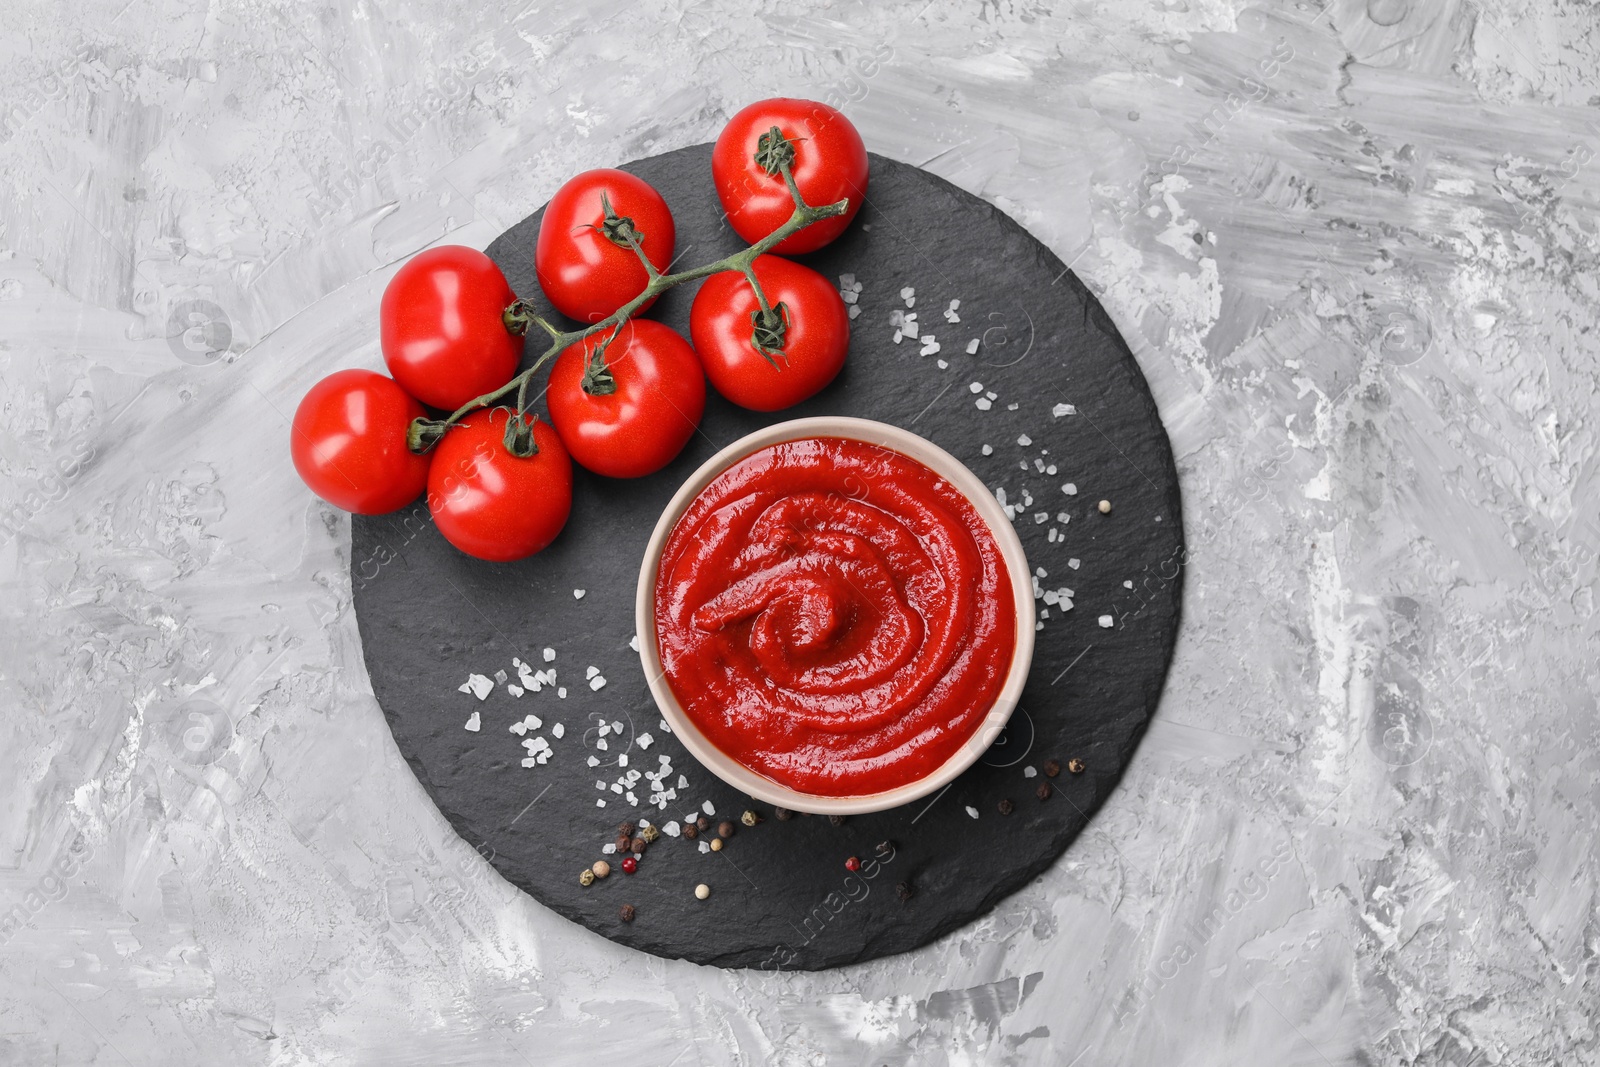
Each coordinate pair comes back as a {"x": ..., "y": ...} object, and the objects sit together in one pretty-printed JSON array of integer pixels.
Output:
[{"x": 1352, "y": 245}]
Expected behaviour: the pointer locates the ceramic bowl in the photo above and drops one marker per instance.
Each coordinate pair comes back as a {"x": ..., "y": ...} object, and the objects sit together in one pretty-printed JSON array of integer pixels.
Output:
[{"x": 929, "y": 455}]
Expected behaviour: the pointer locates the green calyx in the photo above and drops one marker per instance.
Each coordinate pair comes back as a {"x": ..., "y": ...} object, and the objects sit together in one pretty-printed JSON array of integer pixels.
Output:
[
  {"x": 767, "y": 329},
  {"x": 423, "y": 434},
  {"x": 597, "y": 378},
  {"x": 619, "y": 230},
  {"x": 774, "y": 152},
  {"x": 519, "y": 435}
]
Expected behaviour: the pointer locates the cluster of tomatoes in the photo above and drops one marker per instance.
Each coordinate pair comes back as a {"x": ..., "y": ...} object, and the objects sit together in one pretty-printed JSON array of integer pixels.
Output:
[{"x": 625, "y": 394}]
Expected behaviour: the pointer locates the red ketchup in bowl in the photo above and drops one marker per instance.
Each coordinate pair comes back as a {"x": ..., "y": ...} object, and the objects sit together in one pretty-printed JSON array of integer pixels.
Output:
[{"x": 835, "y": 616}]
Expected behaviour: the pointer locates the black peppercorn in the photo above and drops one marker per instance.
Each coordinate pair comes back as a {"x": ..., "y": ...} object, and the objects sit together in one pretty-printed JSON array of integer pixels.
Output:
[
  {"x": 725, "y": 829},
  {"x": 702, "y": 822},
  {"x": 623, "y": 842},
  {"x": 1051, "y": 768},
  {"x": 782, "y": 814},
  {"x": 884, "y": 849},
  {"x": 691, "y": 831},
  {"x": 836, "y": 820},
  {"x": 626, "y": 913},
  {"x": 905, "y": 891},
  {"x": 1044, "y": 791},
  {"x": 626, "y": 829},
  {"x": 1006, "y": 807},
  {"x": 636, "y": 846}
]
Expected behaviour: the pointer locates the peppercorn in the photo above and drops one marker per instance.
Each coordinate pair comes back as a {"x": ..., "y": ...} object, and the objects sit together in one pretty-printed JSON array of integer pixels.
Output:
[
  {"x": 623, "y": 842},
  {"x": 626, "y": 913},
  {"x": 702, "y": 891},
  {"x": 1105, "y": 507},
  {"x": 852, "y": 864},
  {"x": 626, "y": 829},
  {"x": 601, "y": 868},
  {"x": 636, "y": 846},
  {"x": 749, "y": 818},
  {"x": 586, "y": 878},
  {"x": 725, "y": 829},
  {"x": 691, "y": 831},
  {"x": 1051, "y": 768},
  {"x": 1044, "y": 791},
  {"x": 905, "y": 891},
  {"x": 837, "y": 820},
  {"x": 1075, "y": 765},
  {"x": 1006, "y": 807},
  {"x": 650, "y": 833},
  {"x": 629, "y": 865},
  {"x": 783, "y": 814},
  {"x": 884, "y": 849},
  {"x": 716, "y": 844}
]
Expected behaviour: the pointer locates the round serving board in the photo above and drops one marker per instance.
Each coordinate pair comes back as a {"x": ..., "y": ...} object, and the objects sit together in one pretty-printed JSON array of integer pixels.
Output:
[{"x": 1051, "y": 400}]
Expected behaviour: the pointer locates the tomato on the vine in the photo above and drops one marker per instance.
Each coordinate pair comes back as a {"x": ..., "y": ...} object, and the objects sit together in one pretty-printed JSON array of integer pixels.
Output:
[
  {"x": 767, "y": 367},
  {"x": 348, "y": 441},
  {"x": 443, "y": 328},
  {"x": 627, "y": 408},
  {"x": 826, "y": 158},
  {"x": 584, "y": 260},
  {"x": 490, "y": 503}
]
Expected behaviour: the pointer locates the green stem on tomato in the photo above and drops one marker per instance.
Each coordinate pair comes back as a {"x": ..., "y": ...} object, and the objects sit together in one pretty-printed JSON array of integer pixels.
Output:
[{"x": 425, "y": 433}]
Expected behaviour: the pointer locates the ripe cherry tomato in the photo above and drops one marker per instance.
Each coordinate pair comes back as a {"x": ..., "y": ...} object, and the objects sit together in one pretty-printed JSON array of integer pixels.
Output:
[
  {"x": 585, "y": 266},
  {"x": 443, "y": 336},
  {"x": 491, "y": 504},
  {"x": 816, "y": 334},
  {"x": 830, "y": 164},
  {"x": 633, "y": 414},
  {"x": 348, "y": 441}
]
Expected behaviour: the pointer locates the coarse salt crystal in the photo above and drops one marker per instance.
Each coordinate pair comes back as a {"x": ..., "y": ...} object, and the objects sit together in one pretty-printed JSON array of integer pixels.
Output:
[
  {"x": 1040, "y": 518},
  {"x": 1073, "y": 562},
  {"x": 600, "y": 802},
  {"x": 1024, "y": 440},
  {"x": 984, "y": 403},
  {"x": 605, "y": 728},
  {"x": 1011, "y": 407},
  {"x": 972, "y": 347},
  {"x": 549, "y": 655},
  {"x": 622, "y": 760},
  {"x": 478, "y": 685},
  {"x": 645, "y": 741},
  {"x": 988, "y": 450},
  {"x": 600, "y": 785},
  {"x": 1029, "y": 772},
  {"x": 594, "y": 761},
  {"x": 562, "y": 692},
  {"x": 972, "y": 811},
  {"x": 602, "y": 744},
  {"x": 1063, "y": 409},
  {"x": 475, "y": 723},
  {"x": 608, "y": 849},
  {"x": 707, "y": 808},
  {"x": 515, "y": 690},
  {"x": 531, "y": 761},
  {"x": 1050, "y": 469},
  {"x": 597, "y": 683},
  {"x": 943, "y": 365},
  {"x": 1070, "y": 489},
  {"x": 672, "y": 829},
  {"x": 976, "y": 387},
  {"x": 855, "y": 309},
  {"x": 992, "y": 395},
  {"x": 591, "y": 671},
  {"x": 578, "y": 594},
  {"x": 616, "y": 787},
  {"x": 1107, "y": 621},
  {"x": 633, "y": 642},
  {"x": 500, "y": 677},
  {"x": 558, "y": 731}
]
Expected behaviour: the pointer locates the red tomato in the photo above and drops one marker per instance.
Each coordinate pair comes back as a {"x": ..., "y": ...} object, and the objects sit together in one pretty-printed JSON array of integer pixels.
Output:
[
  {"x": 830, "y": 164},
  {"x": 638, "y": 421},
  {"x": 816, "y": 337},
  {"x": 348, "y": 441},
  {"x": 586, "y": 274},
  {"x": 442, "y": 332},
  {"x": 491, "y": 504}
]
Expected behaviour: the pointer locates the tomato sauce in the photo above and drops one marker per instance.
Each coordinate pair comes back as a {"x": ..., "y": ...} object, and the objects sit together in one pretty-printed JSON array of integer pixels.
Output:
[{"x": 835, "y": 616}]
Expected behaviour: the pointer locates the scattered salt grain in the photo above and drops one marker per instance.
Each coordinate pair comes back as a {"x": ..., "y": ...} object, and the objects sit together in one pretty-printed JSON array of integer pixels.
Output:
[
  {"x": 605, "y": 728},
  {"x": 475, "y": 723},
  {"x": 1063, "y": 518},
  {"x": 478, "y": 685},
  {"x": 594, "y": 761},
  {"x": 645, "y": 741},
  {"x": 943, "y": 365},
  {"x": 633, "y": 642},
  {"x": 1073, "y": 562},
  {"x": 500, "y": 677},
  {"x": 577, "y": 594},
  {"x": 909, "y": 295},
  {"x": 622, "y": 760},
  {"x": 672, "y": 829},
  {"x": 1061, "y": 410},
  {"x": 707, "y": 808},
  {"x": 664, "y": 727},
  {"x": 1107, "y": 621},
  {"x": 562, "y": 692},
  {"x": 549, "y": 655},
  {"x": 609, "y": 849},
  {"x": 591, "y": 671},
  {"x": 600, "y": 803},
  {"x": 1127, "y": 585},
  {"x": 683, "y": 782},
  {"x": 988, "y": 450},
  {"x": 1070, "y": 489},
  {"x": 984, "y": 403},
  {"x": 1024, "y": 440},
  {"x": 515, "y": 690},
  {"x": 1029, "y": 772},
  {"x": 976, "y": 387},
  {"x": 855, "y": 309},
  {"x": 1012, "y": 407},
  {"x": 972, "y": 811},
  {"x": 531, "y": 761},
  {"x": 972, "y": 347},
  {"x": 1050, "y": 469},
  {"x": 1040, "y": 518}
]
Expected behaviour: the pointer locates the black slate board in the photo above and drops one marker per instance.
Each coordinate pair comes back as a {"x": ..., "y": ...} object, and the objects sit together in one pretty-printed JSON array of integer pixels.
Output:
[{"x": 782, "y": 897}]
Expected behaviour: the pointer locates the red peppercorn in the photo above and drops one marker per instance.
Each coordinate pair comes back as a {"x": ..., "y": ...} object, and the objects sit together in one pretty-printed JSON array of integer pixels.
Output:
[
  {"x": 629, "y": 865},
  {"x": 852, "y": 864}
]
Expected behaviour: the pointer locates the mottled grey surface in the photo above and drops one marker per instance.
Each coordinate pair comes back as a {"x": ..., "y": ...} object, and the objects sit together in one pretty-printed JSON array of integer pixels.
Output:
[{"x": 1354, "y": 247}]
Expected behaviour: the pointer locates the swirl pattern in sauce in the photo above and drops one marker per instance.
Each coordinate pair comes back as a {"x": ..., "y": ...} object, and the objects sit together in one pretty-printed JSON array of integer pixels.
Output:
[{"x": 835, "y": 616}]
